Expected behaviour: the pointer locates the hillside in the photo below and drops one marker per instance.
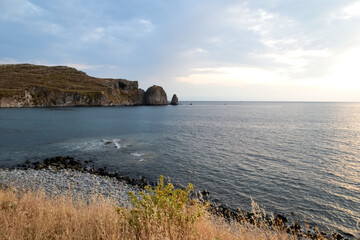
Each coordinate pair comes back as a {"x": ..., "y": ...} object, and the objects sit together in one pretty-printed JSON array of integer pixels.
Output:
[{"x": 26, "y": 85}]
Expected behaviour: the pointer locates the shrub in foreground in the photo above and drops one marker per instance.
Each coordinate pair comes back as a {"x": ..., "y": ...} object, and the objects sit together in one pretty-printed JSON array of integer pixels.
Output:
[{"x": 165, "y": 210}]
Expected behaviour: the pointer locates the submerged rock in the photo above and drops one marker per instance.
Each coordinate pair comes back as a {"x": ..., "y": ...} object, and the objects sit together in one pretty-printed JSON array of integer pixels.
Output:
[
  {"x": 155, "y": 95},
  {"x": 174, "y": 100}
]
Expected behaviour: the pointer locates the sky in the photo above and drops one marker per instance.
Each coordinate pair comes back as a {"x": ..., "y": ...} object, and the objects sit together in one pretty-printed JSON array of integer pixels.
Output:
[{"x": 232, "y": 50}]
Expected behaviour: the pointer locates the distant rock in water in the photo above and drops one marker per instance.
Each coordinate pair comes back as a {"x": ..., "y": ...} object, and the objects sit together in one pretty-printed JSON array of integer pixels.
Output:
[
  {"x": 174, "y": 100},
  {"x": 155, "y": 95},
  {"x": 27, "y": 85}
]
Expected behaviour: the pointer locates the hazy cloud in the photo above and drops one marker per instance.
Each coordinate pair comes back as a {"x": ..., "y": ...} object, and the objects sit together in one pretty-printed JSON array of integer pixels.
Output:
[
  {"x": 350, "y": 11},
  {"x": 18, "y": 9},
  {"x": 232, "y": 76},
  {"x": 191, "y": 46}
]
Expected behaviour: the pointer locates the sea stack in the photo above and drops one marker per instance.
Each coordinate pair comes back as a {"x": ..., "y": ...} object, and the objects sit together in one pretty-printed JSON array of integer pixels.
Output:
[
  {"x": 174, "y": 100},
  {"x": 155, "y": 95}
]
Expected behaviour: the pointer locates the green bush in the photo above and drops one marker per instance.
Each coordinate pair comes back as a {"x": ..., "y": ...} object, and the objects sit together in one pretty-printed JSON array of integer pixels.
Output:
[{"x": 165, "y": 209}]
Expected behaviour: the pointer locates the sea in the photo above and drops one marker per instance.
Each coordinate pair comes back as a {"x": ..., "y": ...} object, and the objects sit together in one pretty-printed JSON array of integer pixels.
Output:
[{"x": 299, "y": 159}]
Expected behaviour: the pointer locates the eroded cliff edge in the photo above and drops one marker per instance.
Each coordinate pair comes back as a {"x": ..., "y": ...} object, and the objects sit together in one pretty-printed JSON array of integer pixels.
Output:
[{"x": 27, "y": 85}]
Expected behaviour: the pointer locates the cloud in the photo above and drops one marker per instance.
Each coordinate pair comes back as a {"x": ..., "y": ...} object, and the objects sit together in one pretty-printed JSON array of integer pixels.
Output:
[
  {"x": 82, "y": 66},
  {"x": 133, "y": 28},
  {"x": 232, "y": 76},
  {"x": 8, "y": 61},
  {"x": 79, "y": 66},
  {"x": 296, "y": 60},
  {"x": 284, "y": 52},
  {"x": 288, "y": 53},
  {"x": 193, "y": 52},
  {"x": 342, "y": 74},
  {"x": 18, "y": 9},
  {"x": 94, "y": 35},
  {"x": 351, "y": 11},
  {"x": 348, "y": 12},
  {"x": 345, "y": 72},
  {"x": 274, "y": 30},
  {"x": 227, "y": 43},
  {"x": 147, "y": 26},
  {"x": 37, "y": 62}
]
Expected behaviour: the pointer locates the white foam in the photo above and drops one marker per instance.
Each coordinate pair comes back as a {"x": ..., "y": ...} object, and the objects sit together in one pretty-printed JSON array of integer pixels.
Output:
[
  {"x": 136, "y": 154},
  {"x": 83, "y": 146},
  {"x": 117, "y": 144},
  {"x": 141, "y": 160},
  {"x": 107, "y": 141}
]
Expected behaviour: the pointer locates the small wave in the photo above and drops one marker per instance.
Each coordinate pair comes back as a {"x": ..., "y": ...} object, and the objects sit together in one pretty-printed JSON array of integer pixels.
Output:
[
  {"x": 136, "y": 154},
  {"x": 106, "y": 141},
  {"x": 141, "y": 160},
  {"x": 115, "y": 142},
  {"x": 82, "y": 146}
]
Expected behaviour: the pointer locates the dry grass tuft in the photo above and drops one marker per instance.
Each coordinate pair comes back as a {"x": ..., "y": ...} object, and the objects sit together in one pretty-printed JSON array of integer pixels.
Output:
[{"x": 159, "y": 213}]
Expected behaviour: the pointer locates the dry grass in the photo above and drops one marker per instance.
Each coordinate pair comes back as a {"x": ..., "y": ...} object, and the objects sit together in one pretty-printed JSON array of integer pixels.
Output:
[
  {"x": 15, "y": 78},
  {"x": 34, "y": 216}
]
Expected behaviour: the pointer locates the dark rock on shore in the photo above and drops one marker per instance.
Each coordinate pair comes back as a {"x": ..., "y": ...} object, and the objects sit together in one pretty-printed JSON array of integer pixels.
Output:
[
  {"x": 60, "y": 162},
  {"x": 155, "y": 95},
  {"x": 205, "y": 193},
  {"x": 280, "y": 220},
  {"x": 295, "y": 227},
  {"x": 57, "y": 163},
  {"x": 174, "y": 100},
  {"x": 337, "y": 236}
]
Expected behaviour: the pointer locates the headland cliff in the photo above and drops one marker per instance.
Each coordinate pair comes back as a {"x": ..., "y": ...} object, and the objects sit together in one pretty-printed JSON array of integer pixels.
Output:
[{"x": 27, "y": 85}]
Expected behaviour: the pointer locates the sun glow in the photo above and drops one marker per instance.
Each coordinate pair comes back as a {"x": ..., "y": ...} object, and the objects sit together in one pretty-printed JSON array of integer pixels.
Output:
[
  {"x": 346, "y": 73},
  {"x": 343, "y": 73},
  {"x": 231, "y": 76}
]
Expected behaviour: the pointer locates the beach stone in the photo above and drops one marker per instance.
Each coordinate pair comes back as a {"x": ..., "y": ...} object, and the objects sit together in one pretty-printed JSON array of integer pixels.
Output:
[
  {"x": 337, "y": 236},
  {"x": 296, "y": 227},
  {"x": 67, "y": 182},
  {"x": 205, "y": 192}
]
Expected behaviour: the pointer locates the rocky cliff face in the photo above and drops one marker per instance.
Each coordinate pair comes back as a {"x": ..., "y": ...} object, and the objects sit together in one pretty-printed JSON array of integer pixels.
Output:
[
  {"x": 174, "y": 100},
  {"x": 155, "y": 95},
  {"x": 25, "y": 85}
]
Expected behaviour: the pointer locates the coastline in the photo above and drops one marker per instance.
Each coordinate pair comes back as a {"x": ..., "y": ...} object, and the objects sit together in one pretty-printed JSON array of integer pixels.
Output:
[
  {"x": 64, "y": 175},
  {"x": 27, "y": 85}
]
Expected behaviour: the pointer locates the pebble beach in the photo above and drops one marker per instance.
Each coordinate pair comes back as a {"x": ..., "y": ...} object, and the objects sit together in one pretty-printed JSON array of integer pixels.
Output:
[{"x": 64, "y": 182}]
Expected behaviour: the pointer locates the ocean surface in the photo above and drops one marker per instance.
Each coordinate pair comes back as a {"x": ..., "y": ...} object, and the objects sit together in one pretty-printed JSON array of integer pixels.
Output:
[{"x": 300, "y": 159}]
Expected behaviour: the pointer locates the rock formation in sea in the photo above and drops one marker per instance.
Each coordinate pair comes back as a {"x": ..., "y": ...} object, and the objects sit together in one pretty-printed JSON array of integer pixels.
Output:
[
  {"x": 174, "y": 100},
  {"x": 27, "y": 85},
  {"x": 155, "y": 95}
]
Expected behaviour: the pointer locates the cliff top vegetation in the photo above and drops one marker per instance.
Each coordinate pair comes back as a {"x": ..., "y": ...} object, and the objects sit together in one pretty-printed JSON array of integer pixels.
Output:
[{"x": 15, "y": 78}]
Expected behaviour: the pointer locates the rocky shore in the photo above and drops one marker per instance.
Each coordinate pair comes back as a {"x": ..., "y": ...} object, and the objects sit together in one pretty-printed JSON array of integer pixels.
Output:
[
  {"x": 28, "y": 85},
  {"x": 79, "y": 185},
  {"x": 65, "y": 175}
]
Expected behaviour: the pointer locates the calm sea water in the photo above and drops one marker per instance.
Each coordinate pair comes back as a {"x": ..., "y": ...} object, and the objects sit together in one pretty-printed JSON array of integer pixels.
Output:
[{"x": 300, "y": 159}]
